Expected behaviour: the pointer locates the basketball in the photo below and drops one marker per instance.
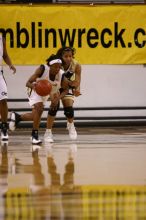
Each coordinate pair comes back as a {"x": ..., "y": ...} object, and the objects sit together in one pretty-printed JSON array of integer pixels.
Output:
[{"x": 43, "y": 87}]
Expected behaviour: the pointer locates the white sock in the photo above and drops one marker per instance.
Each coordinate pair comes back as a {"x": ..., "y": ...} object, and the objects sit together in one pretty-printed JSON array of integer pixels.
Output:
[
  {"x": 48, "y": 130},
  {"x": 70, "y": 123}
]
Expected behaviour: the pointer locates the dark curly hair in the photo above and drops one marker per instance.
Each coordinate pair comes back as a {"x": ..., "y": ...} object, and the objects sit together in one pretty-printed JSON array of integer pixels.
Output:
[{"x": 65, "y": 49}]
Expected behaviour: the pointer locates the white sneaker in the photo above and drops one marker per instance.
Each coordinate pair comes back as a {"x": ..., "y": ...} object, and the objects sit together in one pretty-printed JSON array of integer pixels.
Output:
[
  {"x": 35, "y": 141},
  {"x": 72, "y": 131},
  {"x": 48, "y": 137},
  {"x": 4, "y": 135},
  {"x": 14, "y": 120}
]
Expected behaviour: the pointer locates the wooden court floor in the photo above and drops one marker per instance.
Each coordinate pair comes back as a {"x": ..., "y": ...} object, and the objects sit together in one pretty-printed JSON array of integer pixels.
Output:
[{"x": 101, "y": 175}]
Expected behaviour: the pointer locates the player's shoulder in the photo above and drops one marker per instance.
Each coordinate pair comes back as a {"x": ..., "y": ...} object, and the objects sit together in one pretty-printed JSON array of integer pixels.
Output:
[
  {"x": 61, "y": 71},
  {"x": 76, "y": 63},
  {"x": 44, "y": 67}
]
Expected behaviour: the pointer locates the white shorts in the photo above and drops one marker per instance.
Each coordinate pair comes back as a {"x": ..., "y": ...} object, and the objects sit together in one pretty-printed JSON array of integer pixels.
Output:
[
  {"x": 70, "y": 95},
  {"x": 35, "y": 98},
  {"x": 3, "y": 87}
]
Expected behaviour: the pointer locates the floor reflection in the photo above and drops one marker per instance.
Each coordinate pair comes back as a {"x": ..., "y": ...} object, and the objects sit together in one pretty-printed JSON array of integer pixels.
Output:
[
  {"x": 67, "y": 195},
  {"x": 38, "y": 201},
  {"x": 4, "y": 167},
  {"x": 34, "y": 187}
]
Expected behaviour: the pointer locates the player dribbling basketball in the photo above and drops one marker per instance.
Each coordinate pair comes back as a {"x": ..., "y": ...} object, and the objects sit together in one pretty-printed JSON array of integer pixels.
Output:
[{"x": 51, "y": 71}]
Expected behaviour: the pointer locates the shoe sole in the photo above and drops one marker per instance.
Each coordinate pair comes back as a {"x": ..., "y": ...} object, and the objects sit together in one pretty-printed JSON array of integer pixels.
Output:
[
  {"x": 5, "y": 139},
  {"x": 36, "y": 143},
  {"x": 10, "y": 128},
  {"x": 51, "y": 141},
  {"x": 12, "y": 121}
]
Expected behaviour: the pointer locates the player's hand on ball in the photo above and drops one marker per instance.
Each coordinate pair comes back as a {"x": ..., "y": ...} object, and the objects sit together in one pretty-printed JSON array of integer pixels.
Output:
[{"x": 33, "y": 86}]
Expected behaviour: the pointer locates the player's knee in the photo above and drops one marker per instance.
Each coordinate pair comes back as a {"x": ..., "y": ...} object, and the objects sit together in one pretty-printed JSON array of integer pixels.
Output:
[
  {"x": 69, "y": 112},
  {"x": 3, "y": 101},
  {"x": 53, "y": 111},
  {"x": 39, "y": 108}
]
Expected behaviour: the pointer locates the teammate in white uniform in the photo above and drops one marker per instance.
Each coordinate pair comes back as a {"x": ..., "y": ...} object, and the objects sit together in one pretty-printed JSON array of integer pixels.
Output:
[
  {"x": 52, "y": 72},
  {"x": 3, "y": 89}
]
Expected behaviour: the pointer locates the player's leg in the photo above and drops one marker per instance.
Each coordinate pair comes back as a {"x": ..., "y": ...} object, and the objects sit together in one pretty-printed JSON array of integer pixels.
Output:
[
  {"x": 4, "y": 115},
  {"x": 15, "y": 118},
  {"x": 37, "y": 113},
  {"x": 37, "y": 104},
  {"x": 3, "y": 108},
  {"x": 69, "y": 113},
  {"x": 48, "y": 137}
]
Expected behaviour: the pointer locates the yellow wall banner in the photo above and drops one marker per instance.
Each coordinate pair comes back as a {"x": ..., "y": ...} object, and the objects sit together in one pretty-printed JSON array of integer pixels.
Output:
[{"x": 113, "y": 34}]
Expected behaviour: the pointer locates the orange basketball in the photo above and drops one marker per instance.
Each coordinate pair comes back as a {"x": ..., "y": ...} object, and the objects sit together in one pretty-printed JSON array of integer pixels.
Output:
[{"x": 43, "y": 87}]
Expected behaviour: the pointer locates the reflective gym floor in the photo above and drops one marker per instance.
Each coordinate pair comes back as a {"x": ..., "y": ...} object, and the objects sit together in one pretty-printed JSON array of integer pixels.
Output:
[{"x": 100, "y": 176}]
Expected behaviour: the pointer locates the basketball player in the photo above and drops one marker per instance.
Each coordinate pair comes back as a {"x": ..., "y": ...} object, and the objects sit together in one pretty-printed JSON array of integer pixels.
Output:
[
  {"x": 72, "y": 71},
  {"x": 51, "y": 71},
  {"x": 3, "y": 89}
]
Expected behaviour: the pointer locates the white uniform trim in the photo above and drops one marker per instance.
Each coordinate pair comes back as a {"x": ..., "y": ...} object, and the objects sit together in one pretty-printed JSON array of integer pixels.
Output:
[
  {"x": 3, "y": 86},
  {"x": 1, "y": 51},
  {"x": 56, "y": 84}
]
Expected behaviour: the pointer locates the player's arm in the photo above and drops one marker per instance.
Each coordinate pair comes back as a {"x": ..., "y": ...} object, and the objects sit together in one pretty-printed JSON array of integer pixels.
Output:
[
  {"x": 76, "y": 82},
  {"x": 7, "y": 58},
  {"x": 78, "y": 75},
  {"x": 63, "y": 91},
  {"x": 64, "y": 87},
  {"x": 32, "y": 80}
]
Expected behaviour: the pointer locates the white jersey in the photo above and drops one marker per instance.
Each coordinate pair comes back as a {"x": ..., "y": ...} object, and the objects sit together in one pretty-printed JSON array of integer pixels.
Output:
[
  {"x": 70, "y": 75},
  {"x": 56, "y": 85},
  {"x": 1, "y": 51},
  {"x": 3, "y": 86}
]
